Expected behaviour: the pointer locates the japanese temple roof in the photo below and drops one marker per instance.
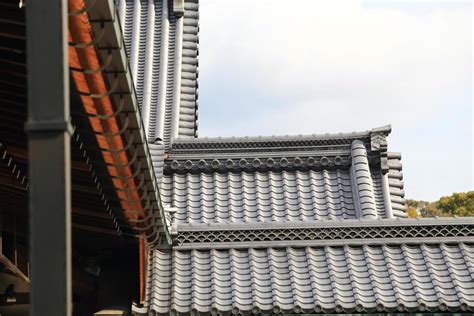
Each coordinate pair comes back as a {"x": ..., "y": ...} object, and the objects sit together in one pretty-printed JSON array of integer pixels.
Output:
[
  {"x": 279, "y": 224},
  {"x": 267, "y": 225},
  {"x": 281, "y": 179}
]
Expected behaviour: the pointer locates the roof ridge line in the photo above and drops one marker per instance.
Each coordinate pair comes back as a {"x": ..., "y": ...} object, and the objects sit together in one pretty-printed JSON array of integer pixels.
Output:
[{"x": 385, "y": 130}]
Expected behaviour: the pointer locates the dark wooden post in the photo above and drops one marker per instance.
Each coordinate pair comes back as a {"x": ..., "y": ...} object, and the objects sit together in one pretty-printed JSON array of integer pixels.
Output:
[{"x": 49, "y": 157}]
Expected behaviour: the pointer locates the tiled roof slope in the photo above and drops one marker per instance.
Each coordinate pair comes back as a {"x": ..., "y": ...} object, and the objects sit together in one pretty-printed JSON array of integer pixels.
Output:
[
  {"x": 283, "y": 179},
  {"x": 303, "y": 224},
  {"x": 317, "y": 279},
  {"x": 162, "y": 46},
  {"x": 293, "y": 224}
]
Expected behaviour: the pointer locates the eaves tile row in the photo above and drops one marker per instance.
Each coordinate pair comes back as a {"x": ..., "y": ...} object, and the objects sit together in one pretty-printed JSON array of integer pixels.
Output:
[
  {"x": 330, "y": 279},
  {"x": 108, "y": 45}
]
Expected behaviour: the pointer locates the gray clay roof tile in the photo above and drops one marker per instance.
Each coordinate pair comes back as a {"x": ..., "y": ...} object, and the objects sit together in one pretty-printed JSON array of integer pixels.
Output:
[{"x": 287, "y": 284}]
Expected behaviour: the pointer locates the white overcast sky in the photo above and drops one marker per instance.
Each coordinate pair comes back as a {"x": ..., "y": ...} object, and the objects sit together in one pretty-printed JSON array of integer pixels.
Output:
[{"x": 302, "y": 67}]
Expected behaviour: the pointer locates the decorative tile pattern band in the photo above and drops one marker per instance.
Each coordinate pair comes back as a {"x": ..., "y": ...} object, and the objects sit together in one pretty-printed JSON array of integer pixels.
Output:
[
  {"x": 251, "y": 163},
  {"x": 324, "y": 233}
]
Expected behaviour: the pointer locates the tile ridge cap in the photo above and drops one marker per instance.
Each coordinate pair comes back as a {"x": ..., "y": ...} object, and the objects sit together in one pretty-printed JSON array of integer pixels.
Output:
[{"x": 272, "y": 138}]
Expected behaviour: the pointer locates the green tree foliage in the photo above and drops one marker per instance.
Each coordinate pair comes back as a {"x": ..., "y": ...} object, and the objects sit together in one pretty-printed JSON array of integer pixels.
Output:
[{"x": 457, "y": 204}]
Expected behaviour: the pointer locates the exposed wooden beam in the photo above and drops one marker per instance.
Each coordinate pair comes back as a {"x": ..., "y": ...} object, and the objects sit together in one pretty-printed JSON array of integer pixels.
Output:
[{"x": 13, "y": 268}]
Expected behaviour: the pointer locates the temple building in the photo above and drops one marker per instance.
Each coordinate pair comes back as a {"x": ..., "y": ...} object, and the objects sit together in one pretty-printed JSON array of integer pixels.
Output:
[
  {"x": 110, "y": 203},
  {"x": 293, "y": 224}
]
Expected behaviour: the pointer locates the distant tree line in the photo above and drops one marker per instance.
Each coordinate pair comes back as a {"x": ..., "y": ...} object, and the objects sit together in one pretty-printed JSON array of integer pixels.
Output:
[{"x": 457, "y": 204}]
